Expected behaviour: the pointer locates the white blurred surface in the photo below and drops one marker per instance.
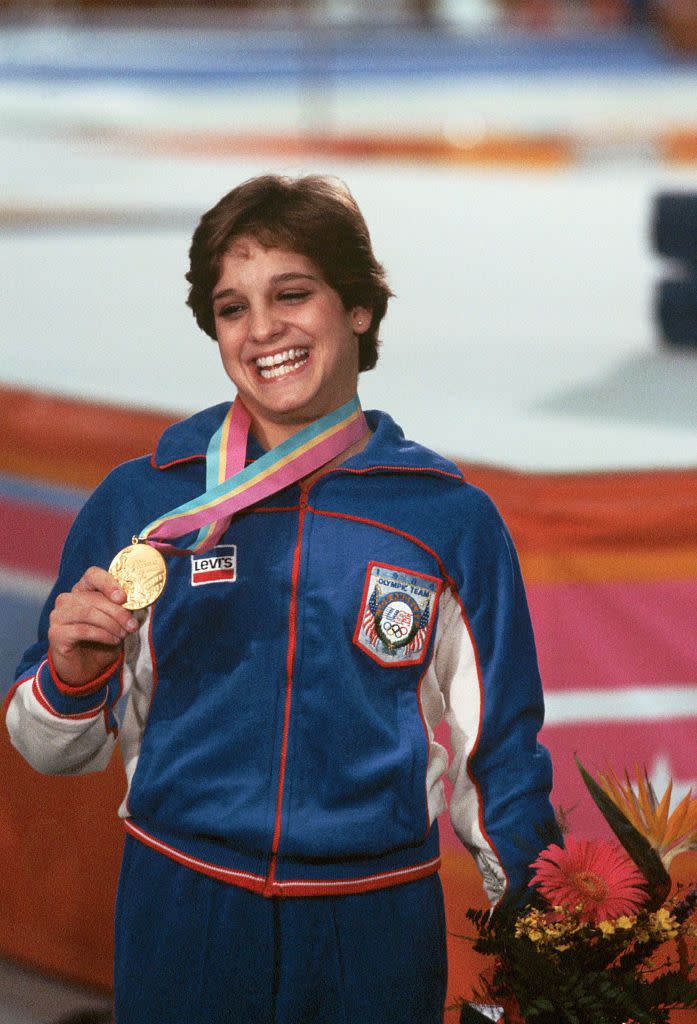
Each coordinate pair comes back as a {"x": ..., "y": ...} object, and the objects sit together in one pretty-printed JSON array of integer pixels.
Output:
[{"x": 522, "y": 331}]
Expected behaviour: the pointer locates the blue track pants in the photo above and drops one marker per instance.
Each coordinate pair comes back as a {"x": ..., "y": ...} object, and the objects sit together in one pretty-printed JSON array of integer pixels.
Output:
[{"x": 193, "y": 950}]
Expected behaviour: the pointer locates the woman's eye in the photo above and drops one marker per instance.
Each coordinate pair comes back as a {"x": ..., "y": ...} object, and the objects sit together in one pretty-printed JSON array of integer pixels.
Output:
[
  {"x": 232, "y": 309},
  {"x": 294, "y": 295}
]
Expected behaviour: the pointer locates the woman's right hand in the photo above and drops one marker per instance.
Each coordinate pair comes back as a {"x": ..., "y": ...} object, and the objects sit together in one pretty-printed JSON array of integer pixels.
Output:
[{"x": 87, "y": 627}]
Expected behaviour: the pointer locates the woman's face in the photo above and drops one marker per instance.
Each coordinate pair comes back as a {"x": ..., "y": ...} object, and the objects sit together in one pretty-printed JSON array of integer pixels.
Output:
[{"x": 286, "y": 341}]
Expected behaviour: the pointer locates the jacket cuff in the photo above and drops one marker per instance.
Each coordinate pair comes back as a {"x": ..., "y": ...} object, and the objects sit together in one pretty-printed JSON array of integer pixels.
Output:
[{"x": 73, "y": 701}]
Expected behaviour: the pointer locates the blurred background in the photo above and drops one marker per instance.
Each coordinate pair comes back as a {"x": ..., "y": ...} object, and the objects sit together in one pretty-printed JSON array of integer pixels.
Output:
[{"x": 528, "y": 169}]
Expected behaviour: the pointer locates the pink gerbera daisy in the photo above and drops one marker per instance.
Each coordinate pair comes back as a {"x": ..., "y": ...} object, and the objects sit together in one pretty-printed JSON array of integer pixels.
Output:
[{"x": 595, "y": 875}]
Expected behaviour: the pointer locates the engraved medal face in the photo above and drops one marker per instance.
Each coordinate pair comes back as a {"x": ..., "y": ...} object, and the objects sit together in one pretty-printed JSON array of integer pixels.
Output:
[{"x": 141, "y": 572}]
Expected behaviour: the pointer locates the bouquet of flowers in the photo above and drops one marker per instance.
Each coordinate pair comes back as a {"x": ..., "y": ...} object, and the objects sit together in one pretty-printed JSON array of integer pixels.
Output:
[{"x": 604, "y": 937}]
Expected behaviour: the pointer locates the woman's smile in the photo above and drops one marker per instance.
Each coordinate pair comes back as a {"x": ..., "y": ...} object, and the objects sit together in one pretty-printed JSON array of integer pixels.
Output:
[{"x": 280, "y": 364}]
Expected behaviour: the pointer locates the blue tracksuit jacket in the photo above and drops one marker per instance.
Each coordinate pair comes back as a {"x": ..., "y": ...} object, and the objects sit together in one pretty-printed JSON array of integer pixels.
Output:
[{"x": 276, "y": 709}]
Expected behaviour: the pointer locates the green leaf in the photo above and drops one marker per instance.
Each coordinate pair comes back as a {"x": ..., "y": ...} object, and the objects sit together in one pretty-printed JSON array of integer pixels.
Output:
[
  {"x": 636, "y": 845},
  {"x": 671, "y": 989}
]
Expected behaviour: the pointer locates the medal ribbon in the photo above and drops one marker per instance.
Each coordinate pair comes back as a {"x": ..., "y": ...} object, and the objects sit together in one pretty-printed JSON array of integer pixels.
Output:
[
  {"x": 232, "y": 487},
  {"x": 225, "y": 456}
]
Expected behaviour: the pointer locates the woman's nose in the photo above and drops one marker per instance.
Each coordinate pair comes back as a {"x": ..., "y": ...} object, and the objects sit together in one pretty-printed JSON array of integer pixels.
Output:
[{"x": 264, "y": 324}]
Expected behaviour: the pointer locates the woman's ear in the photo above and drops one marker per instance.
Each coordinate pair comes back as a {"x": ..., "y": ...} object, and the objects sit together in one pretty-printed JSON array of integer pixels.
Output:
[{"x": 361, "y": 318}]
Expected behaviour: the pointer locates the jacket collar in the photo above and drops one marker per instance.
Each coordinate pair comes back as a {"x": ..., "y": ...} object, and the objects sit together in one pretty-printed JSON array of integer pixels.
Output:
[
  {"x": 387, "y": 448},
  {"x": 188, "y": 439}
]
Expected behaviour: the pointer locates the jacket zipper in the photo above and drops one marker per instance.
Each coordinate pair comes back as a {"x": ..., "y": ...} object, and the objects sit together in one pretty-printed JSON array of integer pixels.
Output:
[{"x": 290, "y": 664}]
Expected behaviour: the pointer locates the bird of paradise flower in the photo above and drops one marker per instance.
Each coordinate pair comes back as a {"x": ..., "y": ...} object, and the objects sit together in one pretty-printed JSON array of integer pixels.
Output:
[{"x": 668, "y": 832}]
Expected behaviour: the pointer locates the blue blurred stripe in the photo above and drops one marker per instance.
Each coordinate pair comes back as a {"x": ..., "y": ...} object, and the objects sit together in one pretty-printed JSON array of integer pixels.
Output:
[
  {"x": 32, "y": 492},
  {"x": 20, "y": 611},
  {"x": 190, "y": 57},
  {"x": 22, "y": 595}
]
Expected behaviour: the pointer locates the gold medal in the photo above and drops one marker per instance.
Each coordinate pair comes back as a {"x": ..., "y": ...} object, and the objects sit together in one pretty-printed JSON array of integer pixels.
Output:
[{"x": 141, "y": 572}]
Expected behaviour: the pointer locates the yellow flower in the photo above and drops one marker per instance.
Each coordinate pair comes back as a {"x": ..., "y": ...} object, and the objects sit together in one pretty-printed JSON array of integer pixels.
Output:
[
  {"x": 663, "y": 917},
  {"x": 668, "y": 833},
  {"x": 624, "y": 922},
  {"x": 606, "y": 927},
  {"x": 525, "y": 923},
  {"x": 531, "y": 926},
  {"x": 663, "y": 923}
]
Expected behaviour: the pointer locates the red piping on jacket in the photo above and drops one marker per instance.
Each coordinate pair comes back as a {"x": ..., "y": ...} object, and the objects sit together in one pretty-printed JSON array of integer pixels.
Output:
[
  {"x": 269, "y": 508},
  {"x": 85, "y": 689},
  {"x": 12, "y": 691},
  {"x": 242, "y": 879},
  {"x": 43, "y": 701},
  {"x": 453, "y": 587},
  {"x": 175, "y": 462},
  {"x": 290, "y": 663},
  {"x": 392, "y": 469},
  {"x": 295, "y": 887},
  {"x": 390, "y": 529}
]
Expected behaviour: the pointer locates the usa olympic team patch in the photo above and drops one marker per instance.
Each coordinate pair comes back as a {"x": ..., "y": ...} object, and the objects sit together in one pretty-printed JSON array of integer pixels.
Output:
[{"x": 398, "y": 610}]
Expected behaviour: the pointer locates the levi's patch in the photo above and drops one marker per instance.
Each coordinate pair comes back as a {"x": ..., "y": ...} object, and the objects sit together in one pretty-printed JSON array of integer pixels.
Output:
[
  {"x": 398, "y": 609},
  {"x": 219, "y": 565}
]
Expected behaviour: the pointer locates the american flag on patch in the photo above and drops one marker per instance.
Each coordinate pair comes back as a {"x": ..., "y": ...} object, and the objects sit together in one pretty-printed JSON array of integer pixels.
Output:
[
  {"x": 369, "y": 626},
  {"x": 418, "y": 641}
]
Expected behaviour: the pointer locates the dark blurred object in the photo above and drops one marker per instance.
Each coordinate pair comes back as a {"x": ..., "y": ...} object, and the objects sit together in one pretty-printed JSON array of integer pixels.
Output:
[
  {"x": 543, "y": 16},
  {"x": 88, "y": 1017},
  {"x": 561, "y": 16},
  {"x": 421, "y": 12},
  {"x": 424, "y": 12},
  {"x": 676, "y": 311},
  {"x": 640, "y": 11},
  {"x": 677, "y": 23},
  {"x": 674, "y": 226},
  {"x": 674, "y": 236},
  {"x": 222, "y": 5}
]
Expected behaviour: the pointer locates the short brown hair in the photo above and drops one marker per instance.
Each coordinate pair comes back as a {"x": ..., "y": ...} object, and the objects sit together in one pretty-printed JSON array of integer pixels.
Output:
[{"x": 315, "y": 216}]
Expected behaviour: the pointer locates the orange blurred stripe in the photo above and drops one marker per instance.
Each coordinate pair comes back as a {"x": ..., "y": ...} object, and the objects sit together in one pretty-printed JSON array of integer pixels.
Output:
[
  {"x": 541, "y": 151},
  {"x": 601, "y": 565},
  {"x": 638, "y": 525},
  {"x": 679, "y": 146},
  {"x": 630, "y": 522},
  {"x": 70, "y": 441}
]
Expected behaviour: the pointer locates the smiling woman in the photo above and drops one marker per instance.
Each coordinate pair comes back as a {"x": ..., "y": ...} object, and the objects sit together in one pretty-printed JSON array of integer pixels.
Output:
[
  {"x": 286, "y": 341},
  {"x": 345, "y": 592},
  {"x": 315, "y": 217}
]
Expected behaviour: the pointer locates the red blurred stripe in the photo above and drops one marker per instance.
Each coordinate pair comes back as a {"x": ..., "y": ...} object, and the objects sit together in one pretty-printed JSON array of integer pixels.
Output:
[{"x": 32, "y": 537}]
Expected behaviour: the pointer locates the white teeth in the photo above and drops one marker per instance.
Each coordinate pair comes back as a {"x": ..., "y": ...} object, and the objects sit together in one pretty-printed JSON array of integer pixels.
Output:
[
  {"x": 280, "y": 371},
  {"x": 281, "y": 362}
]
